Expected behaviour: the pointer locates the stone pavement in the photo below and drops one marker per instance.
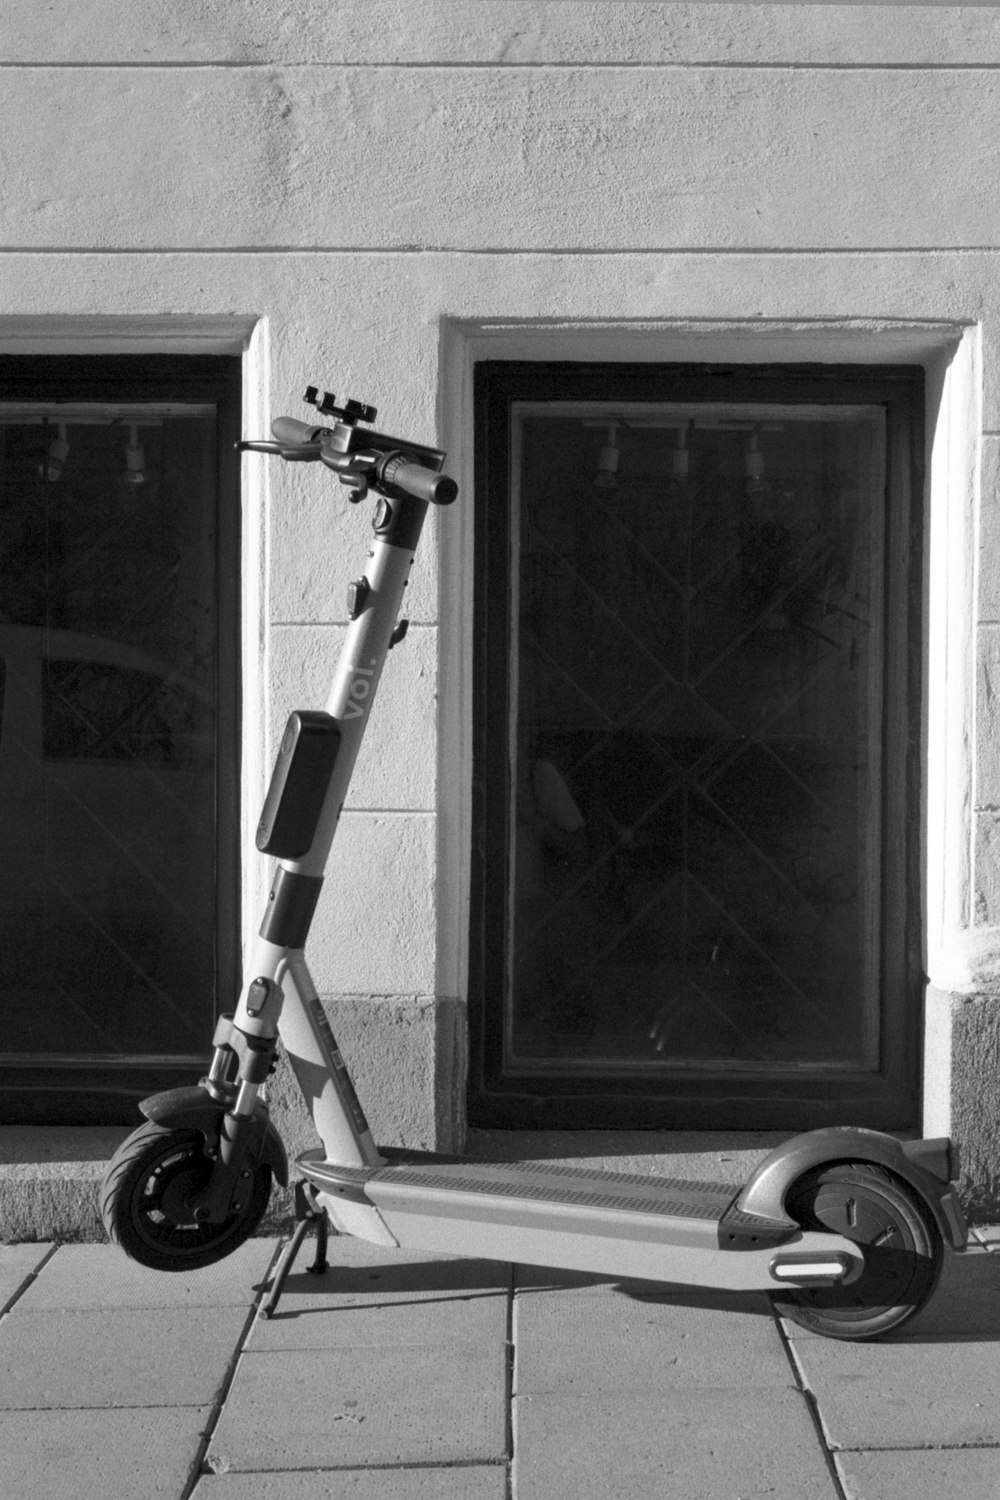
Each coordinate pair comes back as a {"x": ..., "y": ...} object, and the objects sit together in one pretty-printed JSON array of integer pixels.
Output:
[{"x": 407, "y": 1377}]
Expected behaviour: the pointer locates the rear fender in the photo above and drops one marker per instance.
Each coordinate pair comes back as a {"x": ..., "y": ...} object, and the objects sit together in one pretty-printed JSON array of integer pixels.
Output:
[
  {"x": 926, "y": 1166},
  {"x": 193, "y": 1108}
]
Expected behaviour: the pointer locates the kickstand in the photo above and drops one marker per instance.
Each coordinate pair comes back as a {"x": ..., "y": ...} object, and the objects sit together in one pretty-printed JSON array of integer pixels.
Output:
[{"x": 307, "y": 1213}]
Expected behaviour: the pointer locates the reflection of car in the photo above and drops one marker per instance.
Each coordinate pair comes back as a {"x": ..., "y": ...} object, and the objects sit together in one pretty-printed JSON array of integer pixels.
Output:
[
  {"x": 107, "y": 794},
  {"x": 71, "y": 697}
]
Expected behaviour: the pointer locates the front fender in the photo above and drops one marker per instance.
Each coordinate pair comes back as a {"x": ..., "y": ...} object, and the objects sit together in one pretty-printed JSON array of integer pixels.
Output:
[
  {"x": 193, "y": 1108},
  {"x": 924, "y": 1165}
]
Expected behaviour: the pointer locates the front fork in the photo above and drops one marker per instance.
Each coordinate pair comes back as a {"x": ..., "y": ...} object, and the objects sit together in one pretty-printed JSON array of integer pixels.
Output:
[
  {"x": 240, "y": 1142},
  {"x": 245, "y": 1045}
]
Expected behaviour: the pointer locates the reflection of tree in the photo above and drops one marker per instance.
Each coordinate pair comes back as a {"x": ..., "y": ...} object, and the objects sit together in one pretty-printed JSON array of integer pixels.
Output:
[
  {"x": 98, "y": 711},
  {"x": 791, "y": 578}
]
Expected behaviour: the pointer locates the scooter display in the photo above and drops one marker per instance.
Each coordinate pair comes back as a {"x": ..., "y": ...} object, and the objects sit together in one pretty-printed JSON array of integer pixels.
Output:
[{"x": 846, "y": 1228}]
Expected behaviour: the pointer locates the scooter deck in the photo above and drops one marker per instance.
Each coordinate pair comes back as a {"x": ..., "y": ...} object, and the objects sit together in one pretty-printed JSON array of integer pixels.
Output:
[{"x": 655, "y": 1228}]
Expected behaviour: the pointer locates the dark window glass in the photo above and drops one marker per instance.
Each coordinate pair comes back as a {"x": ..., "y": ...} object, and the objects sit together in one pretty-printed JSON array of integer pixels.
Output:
[
  {"x": 696, "y": 735},
  {"x": 119, "y": 655}
]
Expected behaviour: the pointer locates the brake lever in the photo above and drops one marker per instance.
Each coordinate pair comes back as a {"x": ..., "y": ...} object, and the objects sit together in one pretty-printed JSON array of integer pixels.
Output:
[
  {"x": 356, "y": 486},
  {"x": 352, "y": 469},
  {"x": 291, "y": 452}
]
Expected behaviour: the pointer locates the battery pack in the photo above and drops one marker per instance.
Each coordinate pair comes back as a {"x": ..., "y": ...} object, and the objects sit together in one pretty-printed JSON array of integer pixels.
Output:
[{"x": 299, "y": 784}]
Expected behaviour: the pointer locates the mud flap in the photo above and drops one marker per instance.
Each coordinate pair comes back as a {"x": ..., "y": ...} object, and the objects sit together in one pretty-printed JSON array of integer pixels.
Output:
[
  {"x": 923, "y": 1165},
  {"x": 192, "y": 1108}
]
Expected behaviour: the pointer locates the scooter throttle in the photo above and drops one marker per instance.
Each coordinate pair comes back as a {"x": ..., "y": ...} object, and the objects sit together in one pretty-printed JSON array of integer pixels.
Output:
[{"x": 413, "y": 479}]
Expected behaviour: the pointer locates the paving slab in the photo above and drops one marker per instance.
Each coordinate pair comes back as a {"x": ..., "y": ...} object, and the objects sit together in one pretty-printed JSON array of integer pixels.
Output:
[
  {"x": 117, "y": 1356},
  {"x": 370, "y": 1295},
  {"x": 82, "y": 1276},
  {"x": 695, "y": 1444},
  {"x": 321, "y": 1324},
  {"x": 936, "y": 1384},
  {"x": 609, "y": 1337},
  {"x": 396, "y": 1404},
  {"x": 903, "y": 1395},
  {"x": 18, "y": 1263},
  {"x": 931, "y": 1474},
  {"x": 113, "y": 1455},
  {"x": 465, "y": 1483}
]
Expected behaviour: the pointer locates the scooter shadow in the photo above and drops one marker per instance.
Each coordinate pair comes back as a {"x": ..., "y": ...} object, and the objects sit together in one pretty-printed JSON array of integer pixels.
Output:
[
  {"x": 379, "y": 1279},
  {"x": 531, "y": 1280},
  {"x": 964, "y": 1308},
  {"x": 365, "y": 1275}
]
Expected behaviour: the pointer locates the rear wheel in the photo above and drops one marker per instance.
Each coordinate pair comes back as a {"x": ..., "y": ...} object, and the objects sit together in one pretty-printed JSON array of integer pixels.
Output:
[
  {"x": 902, "y": 1249},
  {"x": 146, "y": 1190}
]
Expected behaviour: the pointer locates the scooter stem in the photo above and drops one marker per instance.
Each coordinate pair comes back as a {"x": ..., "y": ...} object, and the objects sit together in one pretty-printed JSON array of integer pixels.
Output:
[{"x": 277, "y": 970}]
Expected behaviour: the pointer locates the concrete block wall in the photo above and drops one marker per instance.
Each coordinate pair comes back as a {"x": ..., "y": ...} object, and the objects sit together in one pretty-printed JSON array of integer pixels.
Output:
[{"x": 371, "y": 195}]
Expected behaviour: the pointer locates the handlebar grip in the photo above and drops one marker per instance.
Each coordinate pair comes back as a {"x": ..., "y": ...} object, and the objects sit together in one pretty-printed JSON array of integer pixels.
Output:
[
  {"x": 421, "y": 483},
  {"x": 290, "y": 432}
]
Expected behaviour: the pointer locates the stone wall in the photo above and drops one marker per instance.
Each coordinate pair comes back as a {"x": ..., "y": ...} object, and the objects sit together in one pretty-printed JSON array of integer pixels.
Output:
[{"x": 369, "y": 195}]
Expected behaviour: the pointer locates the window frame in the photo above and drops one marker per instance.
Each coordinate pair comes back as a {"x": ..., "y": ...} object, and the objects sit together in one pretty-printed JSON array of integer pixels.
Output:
[
  {"x": 105, "y": 1091},
  {"x": 886, "y": 1097}
]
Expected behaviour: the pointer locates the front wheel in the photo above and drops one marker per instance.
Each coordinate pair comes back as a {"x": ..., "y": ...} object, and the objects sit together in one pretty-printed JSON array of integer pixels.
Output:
[
  {"x": 901, "y": 1243},
  {"x": 144, "y": 1196}
]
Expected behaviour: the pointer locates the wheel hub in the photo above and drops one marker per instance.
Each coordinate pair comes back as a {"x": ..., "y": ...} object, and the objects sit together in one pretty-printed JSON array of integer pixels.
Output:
[{"x": 178, "y": 1187}]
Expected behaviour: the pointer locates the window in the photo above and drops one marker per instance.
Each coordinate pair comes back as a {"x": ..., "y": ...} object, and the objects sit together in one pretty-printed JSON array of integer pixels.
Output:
[
  {"x": 119, "y": 555},
  {"x": 695, "y": 893}
]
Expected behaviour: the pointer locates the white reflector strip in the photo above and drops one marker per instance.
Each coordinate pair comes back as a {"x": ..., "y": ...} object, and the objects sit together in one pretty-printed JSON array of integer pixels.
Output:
[{"x": 792, "y": 1270}]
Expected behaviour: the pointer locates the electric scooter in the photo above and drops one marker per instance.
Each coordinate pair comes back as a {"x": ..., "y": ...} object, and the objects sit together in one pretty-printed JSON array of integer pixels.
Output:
[{"x": 846, "y": 1228}]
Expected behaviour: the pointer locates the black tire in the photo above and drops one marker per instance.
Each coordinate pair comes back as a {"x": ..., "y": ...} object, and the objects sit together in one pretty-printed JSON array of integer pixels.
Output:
[
  {"x": 902, "y": 1245},
  {"x": 143, "y": 1197}
]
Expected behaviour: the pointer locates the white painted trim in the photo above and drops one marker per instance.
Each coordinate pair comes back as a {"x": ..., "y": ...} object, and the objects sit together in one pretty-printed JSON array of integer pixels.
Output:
[
  {"x": 112, "y": 333},
  {"x": 954, "y": 423},
  {"x": 953, "y": 448},
  {"x": 255, "y": 632},
  {"x": 951, "y": 355}
]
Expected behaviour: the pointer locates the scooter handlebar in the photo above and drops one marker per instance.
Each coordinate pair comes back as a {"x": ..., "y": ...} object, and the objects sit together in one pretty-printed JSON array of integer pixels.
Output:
[{"x": 397, "y": 470}]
